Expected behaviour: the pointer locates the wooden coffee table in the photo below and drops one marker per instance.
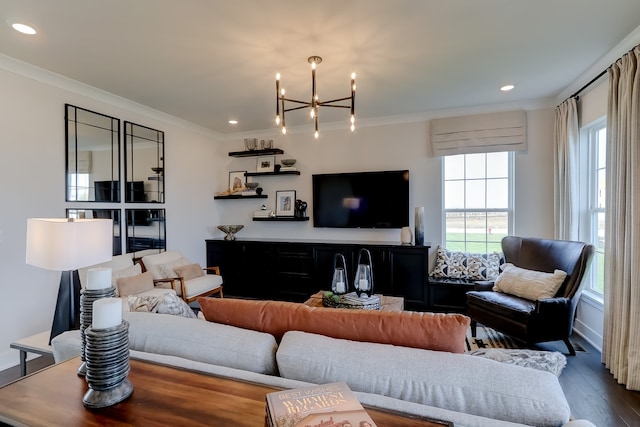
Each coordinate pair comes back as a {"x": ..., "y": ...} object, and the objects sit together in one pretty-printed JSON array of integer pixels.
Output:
[
  {"x": 387, "y": 303},
  {"x": 162, "y": 395}
]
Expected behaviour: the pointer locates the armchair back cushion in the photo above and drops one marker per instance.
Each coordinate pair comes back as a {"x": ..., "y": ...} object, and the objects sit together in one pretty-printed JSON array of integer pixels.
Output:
[
  {"x": 162, "y": 265},
  {"x": 434, "y": 331}
]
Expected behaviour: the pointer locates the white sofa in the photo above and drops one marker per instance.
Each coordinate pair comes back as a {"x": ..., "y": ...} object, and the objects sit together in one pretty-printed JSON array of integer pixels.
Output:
[{"x": 467, "y": 390}]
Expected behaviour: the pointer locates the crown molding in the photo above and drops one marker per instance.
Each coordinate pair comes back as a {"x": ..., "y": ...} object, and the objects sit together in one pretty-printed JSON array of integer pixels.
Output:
[
  {"x": 628, "y": 43},
  {"x": 42, "y": 75}
]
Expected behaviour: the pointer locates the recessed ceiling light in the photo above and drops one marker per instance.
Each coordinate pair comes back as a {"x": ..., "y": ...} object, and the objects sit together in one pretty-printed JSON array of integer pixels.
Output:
[
  {"x": 233, "y": 122},
  {"x": 24, "y": 29},
  {"x": 507, "y": 88}
]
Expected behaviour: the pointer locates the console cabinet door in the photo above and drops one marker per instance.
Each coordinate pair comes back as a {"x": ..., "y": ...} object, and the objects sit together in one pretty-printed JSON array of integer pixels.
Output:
[
  {"x": 409, "y": 276},
  {"x": 229, "y": 256}
]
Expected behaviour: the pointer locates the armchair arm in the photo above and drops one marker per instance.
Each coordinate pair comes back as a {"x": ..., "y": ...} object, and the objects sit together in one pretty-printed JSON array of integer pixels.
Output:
[
  {"x": 553, "y": 306},
  {"x": 483, "y": 285},
  {"x": 215, "y": 269},
  {"x": 170, "y": 280}
]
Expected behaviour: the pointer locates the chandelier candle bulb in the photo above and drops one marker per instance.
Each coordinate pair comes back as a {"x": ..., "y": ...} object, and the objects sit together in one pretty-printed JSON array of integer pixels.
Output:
[
  {"x": 107, "y": 313},
  {"x": 98, "y": 278}
]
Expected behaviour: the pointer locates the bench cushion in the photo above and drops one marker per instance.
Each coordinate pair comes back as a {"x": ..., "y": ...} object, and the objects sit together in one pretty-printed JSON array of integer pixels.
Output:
[{"x": 435, "y": 331}]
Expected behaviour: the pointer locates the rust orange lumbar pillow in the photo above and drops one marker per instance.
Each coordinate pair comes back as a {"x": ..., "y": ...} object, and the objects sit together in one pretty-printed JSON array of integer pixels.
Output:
[{"x": 431, "y": 331}]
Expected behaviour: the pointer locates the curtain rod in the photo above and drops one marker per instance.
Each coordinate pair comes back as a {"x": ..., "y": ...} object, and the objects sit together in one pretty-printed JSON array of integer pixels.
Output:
[{"x": 593, "y": 80}]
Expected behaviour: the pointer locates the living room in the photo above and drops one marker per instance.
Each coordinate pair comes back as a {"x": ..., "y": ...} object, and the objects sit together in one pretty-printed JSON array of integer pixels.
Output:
[{"x": 197, "y": 166}]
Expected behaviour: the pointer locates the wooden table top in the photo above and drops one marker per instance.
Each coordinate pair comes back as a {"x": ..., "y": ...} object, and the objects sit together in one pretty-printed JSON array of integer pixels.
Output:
[{"x": 162, "y": 395}]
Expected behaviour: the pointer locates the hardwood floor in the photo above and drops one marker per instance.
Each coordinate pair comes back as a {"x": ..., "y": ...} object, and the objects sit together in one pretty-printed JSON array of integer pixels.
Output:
[{"x": 591, "y": 390}]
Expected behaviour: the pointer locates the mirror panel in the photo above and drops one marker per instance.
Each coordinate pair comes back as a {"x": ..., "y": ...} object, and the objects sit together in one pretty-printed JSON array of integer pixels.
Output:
[
  {"x": 92, "y": 156},
  {"x": 113, "y": 214},
  {"x": 145, "y": 229},
  {"x": 144, "y": 164}
]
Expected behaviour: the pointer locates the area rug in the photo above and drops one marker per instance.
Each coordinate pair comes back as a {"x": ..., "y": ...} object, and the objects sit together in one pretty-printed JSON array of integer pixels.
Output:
[{"x": 494, "y": 345}]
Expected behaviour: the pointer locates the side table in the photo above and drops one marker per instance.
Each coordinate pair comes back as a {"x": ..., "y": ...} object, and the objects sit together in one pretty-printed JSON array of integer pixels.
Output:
[{"x": 38, "y": 344}]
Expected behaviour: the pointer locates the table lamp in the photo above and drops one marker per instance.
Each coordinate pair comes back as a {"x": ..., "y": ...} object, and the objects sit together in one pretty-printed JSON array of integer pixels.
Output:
[{"x": 65, "y": 244}]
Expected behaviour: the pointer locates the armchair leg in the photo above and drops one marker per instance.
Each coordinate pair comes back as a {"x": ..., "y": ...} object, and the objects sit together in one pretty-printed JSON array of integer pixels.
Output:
[
  {"x": 572, "y": 351},
  {"x": 474, "y": 326}
]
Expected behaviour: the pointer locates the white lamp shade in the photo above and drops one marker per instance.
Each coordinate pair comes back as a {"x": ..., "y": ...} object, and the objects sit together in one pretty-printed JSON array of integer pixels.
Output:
[{"x": 61, "y": 244}]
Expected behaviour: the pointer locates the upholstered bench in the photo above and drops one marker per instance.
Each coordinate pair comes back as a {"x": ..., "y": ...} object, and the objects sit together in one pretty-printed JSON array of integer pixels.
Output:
[{"x": 456, "y": 273}]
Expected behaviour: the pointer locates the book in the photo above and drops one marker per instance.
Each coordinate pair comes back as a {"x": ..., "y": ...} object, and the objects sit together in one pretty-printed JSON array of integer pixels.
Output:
[{"x": 316, "y": 406}]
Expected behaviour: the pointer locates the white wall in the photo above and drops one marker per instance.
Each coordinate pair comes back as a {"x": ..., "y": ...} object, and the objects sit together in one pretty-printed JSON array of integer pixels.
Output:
[
  {"x": 197, "y": 166},
  {"x": 32, "y": 177}
]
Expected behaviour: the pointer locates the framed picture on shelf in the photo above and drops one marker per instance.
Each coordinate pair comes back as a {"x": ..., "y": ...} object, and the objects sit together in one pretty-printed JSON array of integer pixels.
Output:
[
  {"x": 236, "y": 180},
  {"x": 265, "y": 164},
  {"x": 285, "y": 203}
]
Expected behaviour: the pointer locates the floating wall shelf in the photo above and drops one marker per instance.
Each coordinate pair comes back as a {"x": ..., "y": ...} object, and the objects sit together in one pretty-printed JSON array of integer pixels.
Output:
[{"x": 254, "y": 153}]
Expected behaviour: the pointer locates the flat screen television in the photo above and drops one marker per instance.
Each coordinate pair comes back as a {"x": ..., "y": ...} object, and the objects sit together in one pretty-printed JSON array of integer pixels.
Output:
[{"x": 361, "y": 199}]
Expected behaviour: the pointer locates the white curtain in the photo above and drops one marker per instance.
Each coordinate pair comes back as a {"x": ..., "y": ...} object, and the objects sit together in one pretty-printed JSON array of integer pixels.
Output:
[
  {"x": 621, "y": 349},
  {"x": 566, "y": 138}
]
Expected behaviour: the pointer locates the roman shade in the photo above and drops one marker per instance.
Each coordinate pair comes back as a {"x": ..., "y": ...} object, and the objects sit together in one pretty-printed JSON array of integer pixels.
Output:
[{"x": 480, "y": 133}]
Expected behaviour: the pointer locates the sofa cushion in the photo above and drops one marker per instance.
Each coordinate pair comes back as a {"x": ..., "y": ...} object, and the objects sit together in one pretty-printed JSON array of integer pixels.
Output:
[
  {"x": 135, "y": 284},
  {"x": 458, "y": 382},
  {"x": 529, "y": 284},
  {"x": 200, "y": 341},
  {"x": 435, "y": 331},
  {"x": 189, "y": 271},
  {"x": 466, "y": 265}
]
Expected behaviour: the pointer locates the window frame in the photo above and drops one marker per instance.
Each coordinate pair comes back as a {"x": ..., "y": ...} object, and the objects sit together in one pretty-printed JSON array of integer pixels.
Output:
[
  {"x": 509, "y": 210},
  {"x": 589, "y": 209}
]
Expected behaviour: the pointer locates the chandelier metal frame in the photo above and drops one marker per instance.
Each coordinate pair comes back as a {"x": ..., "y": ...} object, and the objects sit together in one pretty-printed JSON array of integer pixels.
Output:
[{"x": 315, "y": 103}]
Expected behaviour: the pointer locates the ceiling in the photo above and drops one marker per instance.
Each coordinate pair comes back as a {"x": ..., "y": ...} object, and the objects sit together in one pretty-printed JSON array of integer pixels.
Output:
[{"x": 208, "y": 61}]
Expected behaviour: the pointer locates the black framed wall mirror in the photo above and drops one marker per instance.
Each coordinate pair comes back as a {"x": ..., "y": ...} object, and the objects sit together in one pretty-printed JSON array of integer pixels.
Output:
[
  {"x": 92, "y": 156},
  {"x": 146, "y": 229},
  {"x": 144, "y": 164}
]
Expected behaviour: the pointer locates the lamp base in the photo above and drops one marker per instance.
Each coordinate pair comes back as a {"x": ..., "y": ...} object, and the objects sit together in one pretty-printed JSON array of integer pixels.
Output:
[{"x": 67, "y": 312}]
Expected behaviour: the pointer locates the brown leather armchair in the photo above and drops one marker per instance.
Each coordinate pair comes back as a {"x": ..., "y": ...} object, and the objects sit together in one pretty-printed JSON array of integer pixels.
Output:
[{"x": 534, "y": 321}]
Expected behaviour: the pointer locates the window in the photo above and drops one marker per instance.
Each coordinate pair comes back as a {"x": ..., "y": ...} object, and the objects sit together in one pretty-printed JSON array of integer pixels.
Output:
[
  {"x": 593, "y": 161},
  {"x": 78, "y": 186},
  {"x": 477, "y": 201}
]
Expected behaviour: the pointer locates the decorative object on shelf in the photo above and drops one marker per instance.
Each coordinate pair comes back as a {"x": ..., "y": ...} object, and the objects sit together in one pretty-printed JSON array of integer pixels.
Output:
[
  {"x": 339, "y": 284},
  {"x": 287, "y": 165},
  {"x": 98, "y": 286},
  {"x": 351, "y": 300},
  {"x": 406, "y": 236},
  {"x": 259, "y": 190},
  {"x": 281, "y": 100},
  {"x": 419, "y": 225},
  {"x": 301, "y": 209},
  {"x": 66, "y": 244},
  {"x": 236, "y": 181},
  {"x": 251, "y": 143},
  {"x": 285, "y": 203},
  {"x": 263, "y": 212},
  {"x": 266, "y": 144},
  {"x": 252, "y": 185},
  {"x": 231, "y": 230},
  {"x": 265, "y": 164},
  {"x": 107, "y": 355},
  {"x": 363, "y": 282}
]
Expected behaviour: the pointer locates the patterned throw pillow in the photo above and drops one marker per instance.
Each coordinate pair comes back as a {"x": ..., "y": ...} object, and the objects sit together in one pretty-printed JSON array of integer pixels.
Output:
[
  {"x": 168, "y": 303},
  {"x": 465, "y": 265}
]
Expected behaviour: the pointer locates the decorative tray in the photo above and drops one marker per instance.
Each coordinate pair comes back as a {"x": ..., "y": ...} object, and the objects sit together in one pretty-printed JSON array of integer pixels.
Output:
[{"x": 351, "y": 300}]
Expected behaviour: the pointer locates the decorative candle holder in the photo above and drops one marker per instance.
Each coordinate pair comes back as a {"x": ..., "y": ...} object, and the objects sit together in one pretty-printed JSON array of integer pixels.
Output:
[
  {"x": 107, "y": 360},
  {"x": 339, "y": 284},
  {"x": 363, "y": 281},
  {"x": 87, "y": 298}
]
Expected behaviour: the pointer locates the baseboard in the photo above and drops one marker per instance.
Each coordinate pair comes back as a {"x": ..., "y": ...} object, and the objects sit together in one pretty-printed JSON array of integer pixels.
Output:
[{"x": 588, "y": 334}]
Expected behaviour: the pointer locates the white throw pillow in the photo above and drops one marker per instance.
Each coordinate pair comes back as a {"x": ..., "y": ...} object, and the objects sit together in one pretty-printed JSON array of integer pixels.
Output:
[
  {"x": 167, "y": 269},
  {"x": 131, "y": 271},
  {"x": 529, "y": 284}
]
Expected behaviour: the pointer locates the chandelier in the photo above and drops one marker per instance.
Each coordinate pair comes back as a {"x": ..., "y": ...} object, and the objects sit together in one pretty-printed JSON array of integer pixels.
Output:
[{"x": 315, "y": 103}]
